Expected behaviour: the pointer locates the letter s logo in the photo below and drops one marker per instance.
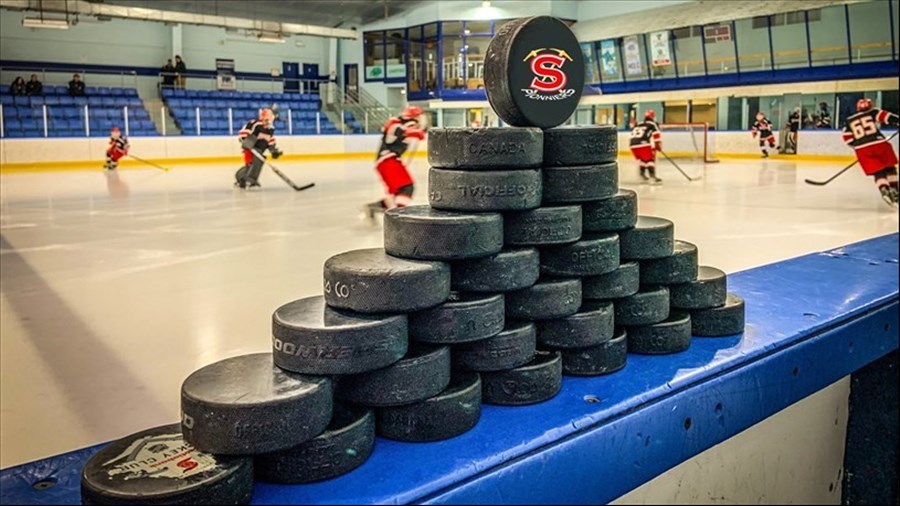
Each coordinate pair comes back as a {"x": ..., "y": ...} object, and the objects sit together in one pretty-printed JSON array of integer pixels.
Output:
[{"x": 549, "y": 78}]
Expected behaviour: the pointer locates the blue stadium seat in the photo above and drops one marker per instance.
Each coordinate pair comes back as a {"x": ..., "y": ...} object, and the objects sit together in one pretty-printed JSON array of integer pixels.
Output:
[
  {"x": 130, "y": 92},
  {"x": 51, "y": 100},
  {"x": 6, "y": 100},
  {"x": 13, "y": 124},
  {"x": 103, "y": 90},
  {"x": 81, "y": 101},
  {"x": 20, "y": 100},
  {"x": 66, "y": 100},
  {"x": 117, "y": 91},
  {"x": 4, "y": 89},
  {"x": 90, "y": 90},
  {"x": 75, "y": 124},
  {"x": 72, "y": 112},
  {"x": 15, "y": 133}
]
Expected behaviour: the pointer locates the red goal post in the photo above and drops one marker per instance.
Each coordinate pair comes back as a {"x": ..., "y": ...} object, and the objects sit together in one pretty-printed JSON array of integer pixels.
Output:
[{"x": 689, "y": 141}]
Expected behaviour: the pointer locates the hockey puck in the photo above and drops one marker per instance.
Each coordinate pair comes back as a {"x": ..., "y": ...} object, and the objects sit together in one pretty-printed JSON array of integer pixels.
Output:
[
  {"x": 544, "y": 225},
  {"x": 494, "y": 190},
  {"x": 720, "y": 321},
  {"x": 612, "y": 214},
  {"x": 650, "y": 305},
  {"x": 309, "y": 337},
  {"x": 423, "y": 233},
  {"x": 422, "y": 373},
  {"x": 593, "y": 255},
  {"x": 370, "y": 281},
  {"x": 508, "y": 270},
  {"x": 534, "y": 72},
  {"x": 534, "y": 382},
  {"x": 680, "y": 267},
  {"x": 344, "y": 446},
  {"x": 246, "y": 405},
  {"x": 622, "y": 282},
  {"x": 449, "y": 414},
  {"x": 671, "y": 335},
  {"x": 511, "y": 348},
  {"x": 157, "y": 466},
  {"x": 708, "y": 290},
  {"x": 553, "y": 298},
  {"x": 593, "y": 324},
  {"x": 604, "y": 358},
  {"x": 463, "y": 318},
  {"x": 580, "y": 145},
  {"x": 485, "y": 148},
  {"x": 651, "y": 237},
  {"x": 580, "y": 183}
]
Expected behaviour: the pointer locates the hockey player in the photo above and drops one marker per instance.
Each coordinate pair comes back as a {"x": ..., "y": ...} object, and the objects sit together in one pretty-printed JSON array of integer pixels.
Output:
[
  {"x": 395, "y": 139},
  {"x": 257, "y": 135},
  {"x": 646, "y": 140},
  {"x": 763, "y": 129},
  {"x": 118, "y": 147},
  {"x": 875, "y": 154},
  {"x": 793, "y": 129}
]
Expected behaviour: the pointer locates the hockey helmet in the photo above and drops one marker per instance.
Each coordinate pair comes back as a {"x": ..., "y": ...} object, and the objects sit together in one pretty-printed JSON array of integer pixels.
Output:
[
  {"x": 863, "y": 104},
  {"x": 115, "y": 132},
  {"x": 267, "y": 115},
  {"x": 760, "y": 115},
  {"x": 411, "y": 112},
  {"x": 650, "y": 114}
]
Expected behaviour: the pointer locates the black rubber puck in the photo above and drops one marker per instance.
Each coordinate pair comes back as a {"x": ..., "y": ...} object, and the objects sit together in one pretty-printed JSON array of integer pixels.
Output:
[
  {"x": 604, "y": 358},
  {"x": 534, "y": 72},
  {"x": 490, "y": 190},
  {"x": 511, "y": 348},
  {"x": 725, "y": 320},
  {"x": 371, "y": 281},
  {"x": 612, "y": 214},
  {"x": 534, "y": 382},
  {"x": 544, "y": 225},
  {"x": 508, "y": 270},
  {"x": 580, "y": 183},
  {"x": 552, "y": 298},
  {"x": 650, "y": 305},
  {"x": 708, "y": 290},
  {"x": 651, "y": 237},
  {"x": 157, "y": 466},
  {"x": 593, "y": 324},
  {"x": 671, "y": 335},
  {"x": 423, "y": 233},
  {"x": 344, "y": 446},
  {"x": 622, "y": 282},
  {"x": 579, "y": 145},
  {"x": 680, "y": 267},
  {"x": 246, "y": 405},
  {"x": 485, "y": 148},
  {"x": 463, "y": 318},
  {"x": 424, "y": 372},
  {"x": 593, "y": 255},
  {"x": 309, "y": 337},
  {"x": 449, "y": 414}
]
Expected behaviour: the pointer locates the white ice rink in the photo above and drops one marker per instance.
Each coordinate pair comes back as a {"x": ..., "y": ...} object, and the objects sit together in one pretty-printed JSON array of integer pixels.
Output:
[{"x": 116, "y": 287}]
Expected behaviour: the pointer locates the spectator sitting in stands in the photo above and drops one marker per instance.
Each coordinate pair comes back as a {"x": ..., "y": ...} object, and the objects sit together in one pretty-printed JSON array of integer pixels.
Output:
[
  {"x": 168, "y": 74},
  {"x": 180, "y": 70},
  {"x": 34, "y": 87},
  {"x": 17, "y": 87},
  {"x": 76, "y": 86}
]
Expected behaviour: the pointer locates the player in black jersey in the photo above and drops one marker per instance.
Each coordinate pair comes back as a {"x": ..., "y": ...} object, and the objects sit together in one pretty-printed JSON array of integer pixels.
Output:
[
  {"x": 875, "y": 154},
  {"x": 118, "y": 147},
  {"x": 646, "y": 140},
  {"x": 257, "y": 135},
  {"x": 396, "y": 136},
  {"x": 763, "y": 129}
]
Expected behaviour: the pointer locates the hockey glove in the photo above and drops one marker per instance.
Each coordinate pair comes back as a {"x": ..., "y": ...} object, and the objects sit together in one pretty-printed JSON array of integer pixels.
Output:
[{"x": 276, "y": 153}]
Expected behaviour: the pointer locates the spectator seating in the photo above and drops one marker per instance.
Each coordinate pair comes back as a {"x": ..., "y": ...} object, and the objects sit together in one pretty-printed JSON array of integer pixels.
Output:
[{"x": 353, "y": 123}]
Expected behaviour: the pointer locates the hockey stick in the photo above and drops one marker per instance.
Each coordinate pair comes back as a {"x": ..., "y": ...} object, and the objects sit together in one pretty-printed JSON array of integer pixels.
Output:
[
  {"x": 845, "y": 169},
  {"x": 148, "y": 162},
  {"x": 675, "y": 164},
  {"x": 282, "y": 174}
]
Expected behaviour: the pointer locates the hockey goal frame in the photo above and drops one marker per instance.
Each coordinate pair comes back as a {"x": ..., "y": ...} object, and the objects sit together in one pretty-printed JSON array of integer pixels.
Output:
[{"x": 707, "y": 155}]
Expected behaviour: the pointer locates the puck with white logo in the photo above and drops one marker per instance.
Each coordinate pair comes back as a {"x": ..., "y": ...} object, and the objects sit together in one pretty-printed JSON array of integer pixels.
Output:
[
  {"x": 534, "y": 382},
  {"x": 721, "y": 321},
  {"x": 708, "y": 290},
  {"x": 345, "y": 445},
  {"x": 534, "y": 72},
  {"x": 423, "y": 233},
  {"x": 671, "y": 335},
  {"x": 157, "y": 466},
  {"x": 580, "y": 183},
  {"x": 485, "y": 148},
  {"x": 422, "y": 373},
  {"x": 463, "y": 318},
  {"x": 651, "y": 237},
  {"x": 594, "y": 254},
  {"x": 371, "y": 281},
  {"x": 547, "y": 299},
  {"x": 593, "y": 324},
  {"x": 580, "y": 145},
  {"x": 604, "y": 358},
  {"x": 650, "y": 305},
  {"x": 542, "y": 226},
  {"x": 680, "y": 267},
  {"x": 611, "y": 214},
  {"x": 511, "y": 348},
  {"x": 622, "y": 282},
  {"x": 489, "y": 190},
  {"x": 449, "y": 414},
  {"x": 309, "y": 337},
  {"x": 511, "y": 269}
]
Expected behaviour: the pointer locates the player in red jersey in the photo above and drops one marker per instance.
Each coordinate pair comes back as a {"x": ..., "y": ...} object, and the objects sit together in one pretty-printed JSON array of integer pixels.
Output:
[
  {"x": 646, "y": 140},
  {"x": 875, "y": 154}
]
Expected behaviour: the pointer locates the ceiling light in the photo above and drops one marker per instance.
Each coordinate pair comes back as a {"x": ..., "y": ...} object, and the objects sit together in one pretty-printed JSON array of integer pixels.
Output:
[
  {"x": 58, "y": 24},
  {"x": 486, "y": 3},
  {"x": 272, "y": 39}
]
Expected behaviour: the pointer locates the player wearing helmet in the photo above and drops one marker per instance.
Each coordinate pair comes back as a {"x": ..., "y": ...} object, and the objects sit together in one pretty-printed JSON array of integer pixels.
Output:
[
  {"x": 763, "y": 129},
  {"x": 646, "y": 140},
  {"x": 875, "y": 154},
  {"x": 118, "y": 147},
  {"x": 257, "y": 135},
  {"x": 396, "y": 136}
]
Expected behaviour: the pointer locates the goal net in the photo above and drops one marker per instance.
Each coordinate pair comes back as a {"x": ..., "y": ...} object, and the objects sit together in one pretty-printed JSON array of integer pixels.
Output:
[{"x": 689, "y": 141}]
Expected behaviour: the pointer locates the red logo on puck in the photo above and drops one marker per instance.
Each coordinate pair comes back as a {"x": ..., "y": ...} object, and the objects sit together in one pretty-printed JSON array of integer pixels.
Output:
[{"x": 546, "y": 65}]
